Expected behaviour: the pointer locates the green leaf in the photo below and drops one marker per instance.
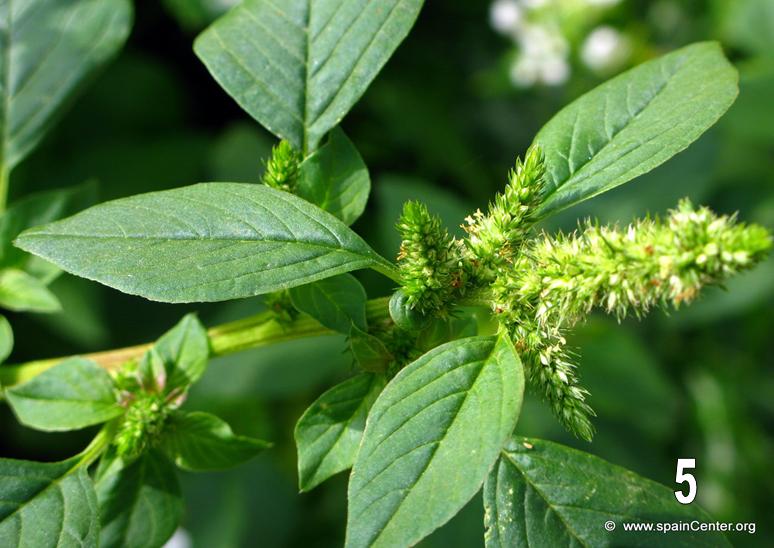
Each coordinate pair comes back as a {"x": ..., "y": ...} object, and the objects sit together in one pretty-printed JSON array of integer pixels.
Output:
[
  {"x": 337, "y": 303},
  {"x": 328, "y": 434},
  {"x": 200, "y": 441},
  {"x": 335, "y": 178},
  {"x": 298, "y": 66},
  {"x": 184, "y": 351},
  {"x": 72, "y": 395},
  {"x": 47, "y": 48},
  {"x": 34, "y": 210},
  {"x": 369, "y": 352},
  {"x": 207, "y": 242},
  {"x": 6, "y": 338},
  {"x": 22, "y": 292},
  {"x": 430, "y": 439},
  {"x": 544, "y": 494},
  {"x": 633, "y": 123},
  {"x": 140, "y": 505},
  {"x": 47, "y": 505}
]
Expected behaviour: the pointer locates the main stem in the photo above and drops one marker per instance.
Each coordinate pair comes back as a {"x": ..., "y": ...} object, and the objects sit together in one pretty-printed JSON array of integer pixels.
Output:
[{"x": 260, "y": 330}]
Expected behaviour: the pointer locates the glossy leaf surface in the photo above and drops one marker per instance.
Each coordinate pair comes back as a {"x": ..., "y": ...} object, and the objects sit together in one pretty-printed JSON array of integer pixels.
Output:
[
  {"x": 207, "y": 242},
  {"x": 634, "y": 122},
  {"x": 430, "y": 440}
]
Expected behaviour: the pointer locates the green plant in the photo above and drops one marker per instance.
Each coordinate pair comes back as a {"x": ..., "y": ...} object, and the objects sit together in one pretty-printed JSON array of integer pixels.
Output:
[{"x": 431, "y": 414}]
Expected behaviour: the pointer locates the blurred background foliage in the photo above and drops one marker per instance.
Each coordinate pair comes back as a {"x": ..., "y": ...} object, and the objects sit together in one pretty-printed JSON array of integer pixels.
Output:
[{"x": 442, "y": 124}]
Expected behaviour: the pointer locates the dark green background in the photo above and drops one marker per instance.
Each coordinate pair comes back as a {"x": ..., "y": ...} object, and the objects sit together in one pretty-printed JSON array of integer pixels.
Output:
[{"x": 441, "y": 124}]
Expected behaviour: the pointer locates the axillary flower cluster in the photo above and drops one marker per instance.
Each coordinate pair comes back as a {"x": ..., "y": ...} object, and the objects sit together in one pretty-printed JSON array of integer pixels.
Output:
[
  {"x": 539, "y": 285},
  {"x": 148, "y": 404}
]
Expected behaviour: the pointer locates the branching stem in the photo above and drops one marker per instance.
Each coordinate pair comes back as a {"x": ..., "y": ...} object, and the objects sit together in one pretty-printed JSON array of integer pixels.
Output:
[{"x": 260, "y": 330}]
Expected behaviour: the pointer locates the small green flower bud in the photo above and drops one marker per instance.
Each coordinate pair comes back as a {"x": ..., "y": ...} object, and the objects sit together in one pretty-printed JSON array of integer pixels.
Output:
[
  {"x": 282, "y": 168},
  {"x": 404, "y": 316},
  {"x": 141, "y": 424}
]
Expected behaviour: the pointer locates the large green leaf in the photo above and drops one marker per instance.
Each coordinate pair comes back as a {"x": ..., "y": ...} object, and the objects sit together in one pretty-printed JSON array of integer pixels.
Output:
[
  {"x": 200, "y": 441},
  {"x": 139, "y": 505},
  {"x": 72, "y": 395},
  {"x": 544, "y": 494},
  {"x": 336, "y": 179},
  {"x": 337, "y": 303},
  {"x": 329, "y": 432},
  {"x": 184, "y": 351},
  {"x": 47, "y": 48},
  {"x": 207, "y": 242},
  {"x": 431, "y": 438},
  {"x": 23, "y": 292},
  {"x": 634, "y": 122},
  {"x": 47, "y": 505},
  {"x": 298, "y": 66}
]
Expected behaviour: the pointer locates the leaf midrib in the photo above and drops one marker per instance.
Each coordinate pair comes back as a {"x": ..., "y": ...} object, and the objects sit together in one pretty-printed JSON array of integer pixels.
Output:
[
  {"x": 308, "y": 74},
  {"x": 344, "y": 426},
  {"x": 573, "y": 172},
  {"x": 186, "y": 239},
  {"x": 437, "y": 443},
  {"x": 55, "y": 482},
  {"x": 548, "y": 503}
]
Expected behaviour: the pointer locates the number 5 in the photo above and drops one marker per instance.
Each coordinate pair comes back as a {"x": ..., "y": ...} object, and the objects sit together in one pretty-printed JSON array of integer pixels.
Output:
[{"x": 681, "y": 477}]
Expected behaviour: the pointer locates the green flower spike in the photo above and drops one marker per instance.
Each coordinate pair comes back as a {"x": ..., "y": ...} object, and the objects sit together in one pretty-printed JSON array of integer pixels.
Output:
[
  {"x": 557, "y": 281},
  {"x": 494, "y": 239},
  {"x": 429, "y": 260},
  {"x": 282, "y": 168}
]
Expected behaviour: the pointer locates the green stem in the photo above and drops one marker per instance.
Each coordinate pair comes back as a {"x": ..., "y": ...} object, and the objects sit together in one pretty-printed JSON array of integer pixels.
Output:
[
  {"x": 388, "y": 269},
  {"x": 100, "y": 442},
  {"x": 259, "y": 330}
]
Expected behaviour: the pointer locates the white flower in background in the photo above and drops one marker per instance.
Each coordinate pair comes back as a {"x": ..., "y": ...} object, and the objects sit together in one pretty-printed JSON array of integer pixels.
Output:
[
  {"x": 555, "y": 71},
  {"x": 543, "y": 51},
  {"x": 605, "y": 49},
  {"x": 505, "y": 15},
  {"x": 542, "y": 57}
]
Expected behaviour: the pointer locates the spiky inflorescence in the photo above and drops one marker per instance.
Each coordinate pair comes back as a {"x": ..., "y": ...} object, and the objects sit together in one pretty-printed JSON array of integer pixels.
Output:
[
  {"x": 551, "y": 371},
  {"x": 556, "y": 282},
  {"x": 430, "y": 265},
  {"x": 282, "y": 168},
  {"x": 142, "y": 424},
  {"x": 494, "y": 239}
]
